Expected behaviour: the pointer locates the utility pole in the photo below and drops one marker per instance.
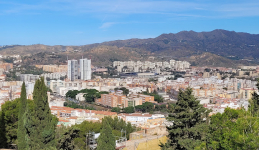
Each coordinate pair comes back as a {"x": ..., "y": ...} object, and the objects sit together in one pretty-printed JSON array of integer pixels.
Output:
[{"x": 87, "y": 140}]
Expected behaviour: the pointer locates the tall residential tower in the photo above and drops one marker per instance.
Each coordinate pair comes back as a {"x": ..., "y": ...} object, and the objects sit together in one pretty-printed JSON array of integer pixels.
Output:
[
  {"x": 85, "y": 69},
  {"x": 72, "y": 70}
]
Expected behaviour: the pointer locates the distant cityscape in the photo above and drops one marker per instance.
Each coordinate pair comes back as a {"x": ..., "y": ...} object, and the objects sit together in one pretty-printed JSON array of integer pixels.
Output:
[{"x": 130, "y": 85}]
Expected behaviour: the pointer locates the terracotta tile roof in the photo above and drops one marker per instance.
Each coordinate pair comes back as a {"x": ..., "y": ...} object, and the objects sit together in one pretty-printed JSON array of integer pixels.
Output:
[
  {"x": 72, "y": 118},
  {"x": 136, "y": 114},
  {"x": 69, "y": 110}
]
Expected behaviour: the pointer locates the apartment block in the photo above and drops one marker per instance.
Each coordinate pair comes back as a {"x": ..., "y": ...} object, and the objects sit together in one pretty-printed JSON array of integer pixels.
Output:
[
  {"x": 85, "y": 69},
  {"x": 246, "y": 93},
  {"x": 53, "y": 68},
  {"x": 146, "y": 98},
  {"x": 133, "y": 102},
  {"x": 139, "y": 66},
  {"x": 121, "y": 99},
  {"x": 109, "y": 100},
  {"x": 29, "y": 77},
  {"x": 6, "y": 66},
  {"x": 72, "y": 68}
]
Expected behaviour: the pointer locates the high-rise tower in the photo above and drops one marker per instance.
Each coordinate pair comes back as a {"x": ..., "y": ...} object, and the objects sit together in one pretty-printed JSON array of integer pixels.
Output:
[
  {"x": 85, "y": 69},
  {"x": 72, "y": 70}
]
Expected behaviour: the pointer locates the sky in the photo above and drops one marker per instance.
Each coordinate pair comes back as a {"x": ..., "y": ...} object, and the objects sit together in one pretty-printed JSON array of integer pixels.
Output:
[{"x": 81, "y": 22}]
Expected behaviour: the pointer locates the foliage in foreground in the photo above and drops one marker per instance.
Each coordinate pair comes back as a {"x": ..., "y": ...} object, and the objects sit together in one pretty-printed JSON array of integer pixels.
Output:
[
  {"x": 189, "y": 123},
  {"x": 40, "y": 124},
  {"x": 115, "y": 123},
  {"x": 234, "y": 129},
  {"x": 9, "y": 121},
  {"x": 21, "y": 129},
  {"x": 106, "y": 140},
  {"x": 65, "y": 136}
]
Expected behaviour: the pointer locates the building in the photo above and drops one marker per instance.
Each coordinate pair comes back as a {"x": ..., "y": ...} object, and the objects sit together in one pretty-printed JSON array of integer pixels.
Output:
[
  {"x": 109, "y": 100},
  {"x": 53, "y": 68},
  {"x": 54, "y": 85},
  {"x": 85, "y": 69},
  {"x": 55, "y": 75},
  {"x": 6, "y": 66},
  {"x": 72, "y": 70},
  {"x": 29, "y": 77},
  {"x": 135, "y": 117},
  {"x": 247, "y": 93},
  {"x": 133, "y": 102},
  {"x": 80, "y": 96},
  {"x": 146, "y": 98}
]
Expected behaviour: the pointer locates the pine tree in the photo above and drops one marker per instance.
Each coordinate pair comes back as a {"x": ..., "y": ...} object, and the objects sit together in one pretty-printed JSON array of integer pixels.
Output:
[
  {"x": 66, "y": 137},
  {"x": 254, "y": 102},
  {"x": 40, "y": 123},
  {"x": 106, "y": 140},
  {"x": 21, "y": 129},
  {"x": 188, "y": 123}
]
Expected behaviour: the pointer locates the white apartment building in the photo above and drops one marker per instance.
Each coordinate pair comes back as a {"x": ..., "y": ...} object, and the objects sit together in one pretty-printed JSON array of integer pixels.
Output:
[
  {"x": 72, "y": 70},
  {"x": 56, "y": 84},
  {"x": 54, "y": 75},
  {"x": 85, "y": 69},
  {"x": 135, "y": 117},
  {"x": 29, "y": 77},
  {"x": 131, "y": 66}
]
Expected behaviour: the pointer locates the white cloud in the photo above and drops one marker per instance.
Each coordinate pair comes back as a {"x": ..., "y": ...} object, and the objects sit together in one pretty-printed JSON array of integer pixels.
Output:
[
  {"x": 240, "y": 9},
  {"x": 107, "y": 25},
  {"x": 106, "y": 8}
]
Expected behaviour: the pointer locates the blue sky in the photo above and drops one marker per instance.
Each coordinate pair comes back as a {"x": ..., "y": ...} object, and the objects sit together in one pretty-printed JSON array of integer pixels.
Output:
[{"x": 80, "y": 22}]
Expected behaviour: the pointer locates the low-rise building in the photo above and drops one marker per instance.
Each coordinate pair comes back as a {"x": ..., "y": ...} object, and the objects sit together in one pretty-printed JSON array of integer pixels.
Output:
[{"x": 80, "y": 96}]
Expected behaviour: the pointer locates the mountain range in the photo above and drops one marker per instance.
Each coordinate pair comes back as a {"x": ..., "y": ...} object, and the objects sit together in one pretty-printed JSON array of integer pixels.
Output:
[{"x": 216, "y": 48}]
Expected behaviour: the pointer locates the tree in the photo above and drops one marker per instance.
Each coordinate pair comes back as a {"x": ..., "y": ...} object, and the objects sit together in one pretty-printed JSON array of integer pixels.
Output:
[
  {"x": 115, "y": 109},
  {"x": 40, "y": 124},
  {"x": 189, "y": 122},
  {"x": 72, "y": 93},
  {"x": 106, "y": 140},
  {"x": 84, "y": 128},
  {"x": 66, "y": 136},
  {"x": 158, "y": 98},
  {"x": 145, "y": 107},
  {"x": 207, "y": 69},
  {"x": 234, "y": 129},
  {"x": 129, "y": 109},
  {"x": 9, "y": 121},
  {"x": 177, "y": 76},
  {"x": 254, "y": 102},
  {"x": 115, "y": 123},
  {"x": 3, "y": 139},
  {"x": 75, "y": 105},
  {"x": 124, "y": 90},
  {"x": 21, "y": 129},
  {"x": 91, "y": 94}
]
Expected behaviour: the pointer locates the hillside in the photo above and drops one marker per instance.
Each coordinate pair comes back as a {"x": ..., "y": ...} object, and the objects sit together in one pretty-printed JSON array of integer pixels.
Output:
[
  {"x": 100, "y": 55},
  {"x": 220, "y": 42},
  {"x": 209, "y": 59},
  {"x": 215, "y": 48}
]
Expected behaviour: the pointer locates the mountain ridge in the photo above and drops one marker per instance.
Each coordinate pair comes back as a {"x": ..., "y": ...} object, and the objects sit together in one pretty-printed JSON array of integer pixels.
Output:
[{"x": 234, "y": 46}]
